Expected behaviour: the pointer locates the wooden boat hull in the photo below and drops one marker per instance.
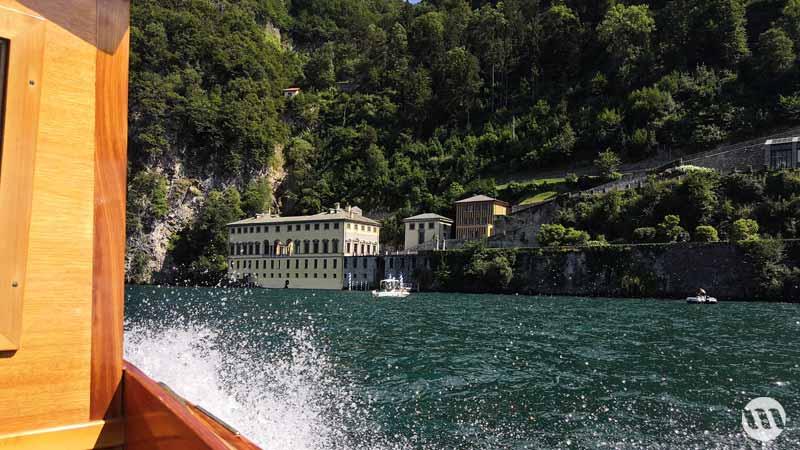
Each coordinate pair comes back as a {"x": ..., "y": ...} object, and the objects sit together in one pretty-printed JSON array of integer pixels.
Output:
[
  {"x": 63, "y": 167},
  {"x": 158, "y": 419}
]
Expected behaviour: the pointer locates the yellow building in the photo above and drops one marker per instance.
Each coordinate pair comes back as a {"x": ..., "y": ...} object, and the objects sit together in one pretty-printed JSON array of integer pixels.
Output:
[
  {"x": 300, "y": 251},
  {"x": 475, "y": 216}
]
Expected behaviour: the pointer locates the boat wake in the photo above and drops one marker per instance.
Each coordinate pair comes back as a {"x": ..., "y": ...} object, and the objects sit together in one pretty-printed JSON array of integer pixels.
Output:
[{"x": 288, "y": 402}]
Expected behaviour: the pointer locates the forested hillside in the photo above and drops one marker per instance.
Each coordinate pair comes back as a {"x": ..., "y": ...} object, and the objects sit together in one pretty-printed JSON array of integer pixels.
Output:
[{"x": 408, "y": 107}]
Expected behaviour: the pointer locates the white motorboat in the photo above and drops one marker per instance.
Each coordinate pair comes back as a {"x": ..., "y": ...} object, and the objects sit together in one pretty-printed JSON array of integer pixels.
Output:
[
  {"x": 701, "y": 299},
  {"x": 392, "y": 288}
]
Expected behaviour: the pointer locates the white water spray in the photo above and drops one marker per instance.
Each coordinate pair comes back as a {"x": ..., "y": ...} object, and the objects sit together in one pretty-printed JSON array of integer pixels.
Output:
[{"x": 291, "y": 403}]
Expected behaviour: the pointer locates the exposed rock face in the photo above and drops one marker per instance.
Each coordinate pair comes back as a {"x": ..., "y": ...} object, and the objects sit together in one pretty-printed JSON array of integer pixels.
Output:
[{"x": 147, "y": 258}]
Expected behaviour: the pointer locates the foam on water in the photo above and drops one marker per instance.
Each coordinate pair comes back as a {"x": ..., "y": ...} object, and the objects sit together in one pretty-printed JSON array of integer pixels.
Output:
[{"x": 289, "y": 403}]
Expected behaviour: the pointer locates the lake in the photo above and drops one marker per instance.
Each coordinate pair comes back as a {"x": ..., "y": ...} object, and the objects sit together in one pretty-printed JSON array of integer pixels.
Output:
[{"x": 327, "y": 370}]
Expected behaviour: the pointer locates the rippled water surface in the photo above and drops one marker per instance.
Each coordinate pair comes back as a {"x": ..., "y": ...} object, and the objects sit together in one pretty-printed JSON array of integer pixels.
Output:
[{"x": 341, "y": 370}]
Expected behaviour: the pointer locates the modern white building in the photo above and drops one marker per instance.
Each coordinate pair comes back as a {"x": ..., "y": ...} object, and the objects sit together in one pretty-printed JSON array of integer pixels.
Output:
[
  {"x": 300, "y": 251},
  {"x": 425, "y": 229}
]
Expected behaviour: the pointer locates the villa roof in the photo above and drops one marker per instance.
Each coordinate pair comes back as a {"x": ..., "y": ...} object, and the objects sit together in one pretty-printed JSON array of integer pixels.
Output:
[
  {"x": 427, "y": 216},
  {"x": 481, "y": 198},
  {"x": 331, "y": 215}
]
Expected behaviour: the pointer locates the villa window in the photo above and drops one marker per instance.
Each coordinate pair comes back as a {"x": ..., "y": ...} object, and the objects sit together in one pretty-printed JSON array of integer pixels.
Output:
[
  {"x": 316, "y": 246},
  {"x": 305, "y": 246},
  {"x": 277, "y": 228},
  {"x": 316, "y": 263},
  {"x": 325, "y": 246},
  {"x": 348, "y": 247},
  {"x": 316, "y": 226},
  {"x": 336, "y": 226},
  {"x": 430, "y": 225},
  {"x": 364, "y": 263},
  {"x": 296, "y": 263},
  {"x": 345, "y": 263},
  {"x": 324, "y": 263},
  {"x": 334, "y": 263},
  {"x": 327, "y": 226},
  {"x": 335, "y": 245},
  {"x": 305, "y": 264},
  {"x": 411, "y": 226}
]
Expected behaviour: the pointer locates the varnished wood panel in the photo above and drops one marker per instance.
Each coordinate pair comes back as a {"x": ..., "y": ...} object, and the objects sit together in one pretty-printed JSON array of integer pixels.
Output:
[
  {"x": 111, "y": 133},
  {"x": 23, "y": 89},
  {"x": 156, "y": 420},
  {"x": 46, "y": 382},
  {"x": 89, "y": 435}
]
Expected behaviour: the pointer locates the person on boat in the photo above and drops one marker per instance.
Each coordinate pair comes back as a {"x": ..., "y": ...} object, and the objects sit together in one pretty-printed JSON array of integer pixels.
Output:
[{"x": 701, "y": 293}]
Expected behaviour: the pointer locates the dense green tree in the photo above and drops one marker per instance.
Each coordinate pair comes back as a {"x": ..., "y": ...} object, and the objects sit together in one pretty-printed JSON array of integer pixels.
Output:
[
  {"x": 625, "y": 31},
  {"x": 791, "y": 20},
  {"x": 558, "y": 41},
  {"x": 776, "y": 53},
  {"x": 607, "y": 163},
  {"x": 257, "y": 198},
  {"x": 459, "y": 82}
]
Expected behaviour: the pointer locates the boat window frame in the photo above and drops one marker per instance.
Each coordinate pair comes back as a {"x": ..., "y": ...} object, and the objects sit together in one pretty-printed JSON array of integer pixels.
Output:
[{"x": 25, "y": 34}]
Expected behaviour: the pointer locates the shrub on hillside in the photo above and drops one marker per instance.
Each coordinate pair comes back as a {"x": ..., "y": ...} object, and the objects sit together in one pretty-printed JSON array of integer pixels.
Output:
[
  {"x": 706, "y": 233},
  {"x": 670, "y": 230},
  {"x": 645, "y": 234},
  {"x": 744, "y": 230},
  {"x": 556, "y": 234}
]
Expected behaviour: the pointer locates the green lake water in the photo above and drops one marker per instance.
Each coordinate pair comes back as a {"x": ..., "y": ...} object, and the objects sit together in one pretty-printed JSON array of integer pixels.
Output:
[{"x": 340, "y": 370}]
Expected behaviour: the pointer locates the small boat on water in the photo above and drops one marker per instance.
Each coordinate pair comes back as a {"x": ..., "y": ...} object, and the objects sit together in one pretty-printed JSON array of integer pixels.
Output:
[
  {"x": 701, "y": 299},
  {"x": 392, "y": 288}
]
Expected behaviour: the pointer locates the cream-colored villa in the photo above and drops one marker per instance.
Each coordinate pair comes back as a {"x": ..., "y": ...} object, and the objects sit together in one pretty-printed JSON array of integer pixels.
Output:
[
  {"x": 431, "y": 229},
  {"x": 300, "y": 251}
]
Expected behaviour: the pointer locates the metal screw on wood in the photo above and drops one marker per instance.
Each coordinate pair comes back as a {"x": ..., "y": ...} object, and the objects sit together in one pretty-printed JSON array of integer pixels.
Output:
[
  {"x": 32, "y": 83},
  {"x": 14, "y": 284}
]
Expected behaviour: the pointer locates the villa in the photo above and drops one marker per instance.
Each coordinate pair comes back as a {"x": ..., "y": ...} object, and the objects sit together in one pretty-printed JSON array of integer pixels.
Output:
[{"x": 319, "y": 251}]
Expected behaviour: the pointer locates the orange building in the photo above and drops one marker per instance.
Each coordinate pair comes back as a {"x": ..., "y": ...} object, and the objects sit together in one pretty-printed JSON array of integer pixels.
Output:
[{"x": 475, "y": 216}]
